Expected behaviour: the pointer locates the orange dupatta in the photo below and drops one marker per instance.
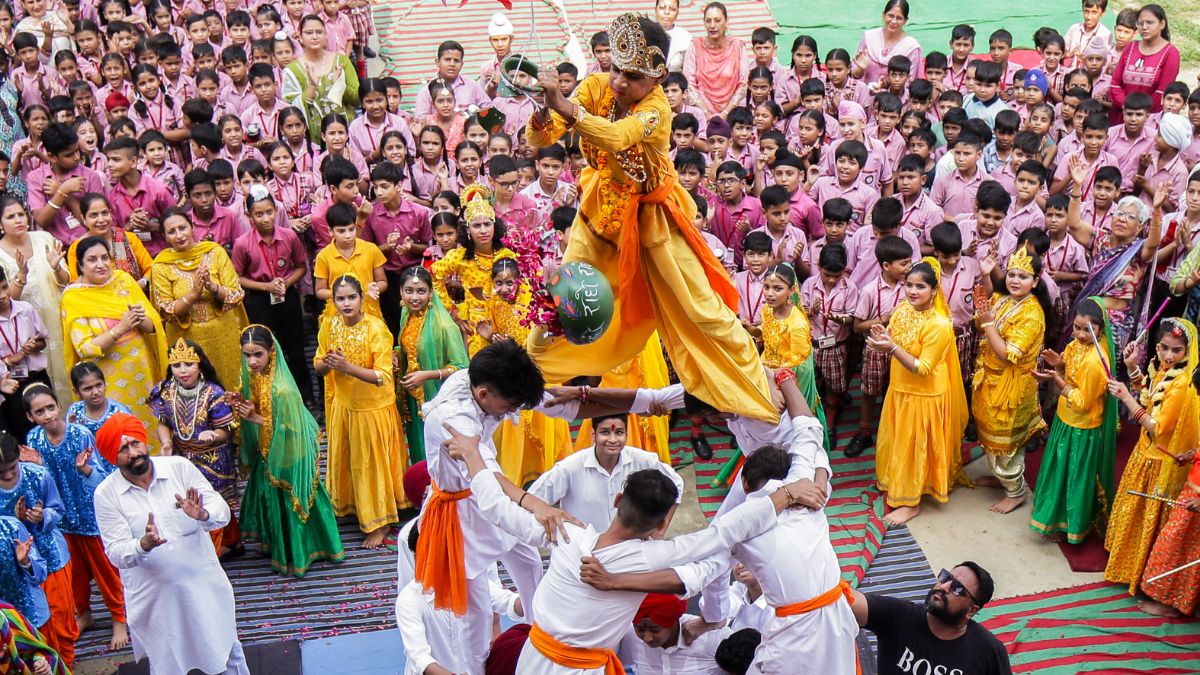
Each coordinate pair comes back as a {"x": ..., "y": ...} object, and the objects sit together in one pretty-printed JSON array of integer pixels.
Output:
[
  {"x": 441, "y": 563},
  {"x": 574, "y": 657}
]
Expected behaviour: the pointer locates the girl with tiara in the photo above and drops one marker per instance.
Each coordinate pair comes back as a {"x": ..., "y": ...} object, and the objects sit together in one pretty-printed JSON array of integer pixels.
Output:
[
  {"x": 925, "y": 409},
  {"x": 1075, "y": 484},
  {"x": 1164, "y": 403},
  {"x": 367, "y": 452},
  {"x": 94, "y": 407},
  {"x": 1012, "y": 329},
  {"x": 286, "y": 508},
  {"x": 480, "y": 237},
  {"x": 428, "y": 350},
  {"x": 787, "y": 336},
  {"x": 195, "y": 421},
  {"x": 531, "y": 446}
]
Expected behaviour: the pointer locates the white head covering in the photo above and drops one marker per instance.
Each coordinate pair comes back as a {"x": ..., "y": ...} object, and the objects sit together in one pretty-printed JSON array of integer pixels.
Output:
[
  {"x": 1176, "y": 130},
  {"x": 500, "y": 25}
]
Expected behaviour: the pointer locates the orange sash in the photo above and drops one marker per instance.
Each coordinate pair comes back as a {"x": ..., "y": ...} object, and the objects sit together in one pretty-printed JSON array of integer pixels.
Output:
[
  {"x": 574, "y": 657},
  {"x": 635, "y": 297},
  {"x": 813, "y": 604},
  {"x": 441, "y": 565}
]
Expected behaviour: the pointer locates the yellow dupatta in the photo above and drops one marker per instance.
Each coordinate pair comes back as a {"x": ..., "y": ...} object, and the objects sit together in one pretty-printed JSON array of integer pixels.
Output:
[
  {"x": 109, "y": 300},
  {"x": 190, "y": 260}
]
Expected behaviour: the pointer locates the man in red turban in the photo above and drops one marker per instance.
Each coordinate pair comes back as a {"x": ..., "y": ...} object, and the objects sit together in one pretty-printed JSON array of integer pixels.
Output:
[
  {"x": 111, "y": 437},
  {"x": 657, "y": 620}
]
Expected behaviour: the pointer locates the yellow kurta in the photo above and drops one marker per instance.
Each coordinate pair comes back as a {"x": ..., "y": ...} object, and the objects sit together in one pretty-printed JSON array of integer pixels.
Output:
[
  {"x": 331, "y": 264},
  {"x": 476, "y": 277},
  {"x": 367, "y": 450},
  {"x": 786, "y": 342},
  {"x": 1082, "y": 406},
  {"x": 1135, "y": 521},
  {"x": 209, "y": 323},
  {"x": 924, "y": 413},
  {"x": 1004, "y": 391},
  {"x": 646, "y": 370},
  {"x": 528, "y": 449},
  {"x": 627, "y": 158}
]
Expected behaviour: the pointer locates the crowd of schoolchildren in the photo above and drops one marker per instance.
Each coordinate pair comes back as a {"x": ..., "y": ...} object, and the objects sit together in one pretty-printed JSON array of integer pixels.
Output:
[{"x": 161, "y": 193}]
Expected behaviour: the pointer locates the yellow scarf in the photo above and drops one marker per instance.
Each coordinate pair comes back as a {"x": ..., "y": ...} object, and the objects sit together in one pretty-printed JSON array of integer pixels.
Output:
[
  {"x": 109, "y": 300},
  {"x": 188, "y": 259}
]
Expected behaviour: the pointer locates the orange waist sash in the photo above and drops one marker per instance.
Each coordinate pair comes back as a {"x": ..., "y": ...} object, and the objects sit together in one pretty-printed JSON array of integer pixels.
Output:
[
  {"x": 813, "y": 604},
  {"x": 574, "y": 657},
  {"x": 441, "y": 564}
]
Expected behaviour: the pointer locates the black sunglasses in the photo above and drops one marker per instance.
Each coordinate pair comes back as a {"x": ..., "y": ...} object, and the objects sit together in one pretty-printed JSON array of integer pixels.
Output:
[{"x": 956, "y": 586}]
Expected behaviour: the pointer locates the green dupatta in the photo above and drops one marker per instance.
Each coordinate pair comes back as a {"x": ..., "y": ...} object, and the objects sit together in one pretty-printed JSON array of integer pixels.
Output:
[
  {"x": 1107, "y": 466},
  {"x": 441, "y": 344},
  {"x": 292, "y": 444}
]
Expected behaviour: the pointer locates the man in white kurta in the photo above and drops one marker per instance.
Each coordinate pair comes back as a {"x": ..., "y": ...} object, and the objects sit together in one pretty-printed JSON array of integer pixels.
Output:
[{"x": 155, "y": 515}]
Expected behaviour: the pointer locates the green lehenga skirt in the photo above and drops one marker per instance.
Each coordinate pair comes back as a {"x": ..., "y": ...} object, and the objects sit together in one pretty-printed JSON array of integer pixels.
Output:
[
  {"x": 1069, "y": 495},
  {"x": 268, "y": 516}
]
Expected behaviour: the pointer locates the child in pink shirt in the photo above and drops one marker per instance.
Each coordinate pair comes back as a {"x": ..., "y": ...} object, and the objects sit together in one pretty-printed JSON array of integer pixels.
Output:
[
  {"x": 830, "y": 300},
  {"x": 155, "y": 162},
  {"x": 1131, "y": 139},
  {"x": 210, "y": 221},
  {"x": 920, "y": 213},
  {"x": 137, "y": 200},
  {"x": 1066, "y": 261},
  {"x": 1093, "y": 138},
  {"x": 367, "y": 130},
  {"x": 734, "y": 213},
  {"x": 980, "y": 232},
  {"x": 263, "y": 114},
  {"x": 876, "y": 171},
  {"x": 847, "y": 183},
  {"x": 860, "y": 246},
  {"x": 233, "y": 136},
  {"x": 805, "y": 214},
  {"x": 960, "y": 275},
  {"x": 883, "y": 128},
  {"x": 237, "y": 92},
  {"x": 787, "y": 240},
  {"x": 741, "y": 148},
  {"x": 835, "y": 219},
  {"x": 756, "y": 253},
  {"x": 1024, "y": 211},
  {"x": 515, "y": 208},
  {"x": 339, "y": 31}
]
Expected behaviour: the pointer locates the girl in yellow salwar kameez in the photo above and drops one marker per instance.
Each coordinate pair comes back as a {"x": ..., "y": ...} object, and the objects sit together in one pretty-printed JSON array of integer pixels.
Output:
[
  {"x": 1004, "y": 391},
  {"x": 1167, "y": 409},
  {"x": 787, "y": 336},
  {"x": 925, "y": 410},
  {"x": 635, "y": 225},
  {"x": 647, "y": 370},
  {"x": 196, "y": 290},
  {"x": 107, "y": 319},
  {"x": 480, "y": 239},
  {"x": 367, "y": 452},
  {"x": 527, "y": 449}
]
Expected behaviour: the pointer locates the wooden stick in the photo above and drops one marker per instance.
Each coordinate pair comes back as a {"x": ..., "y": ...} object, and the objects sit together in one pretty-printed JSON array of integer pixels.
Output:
[
  {"x": 1096, "y": 344},
  {"x": 1157, "y": 498},
  {"x": 1170, "y": 572}
]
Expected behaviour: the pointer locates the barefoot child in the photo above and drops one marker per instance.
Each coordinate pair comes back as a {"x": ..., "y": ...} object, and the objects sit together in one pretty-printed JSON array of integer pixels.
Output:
[{"x": 68, "y": 454}]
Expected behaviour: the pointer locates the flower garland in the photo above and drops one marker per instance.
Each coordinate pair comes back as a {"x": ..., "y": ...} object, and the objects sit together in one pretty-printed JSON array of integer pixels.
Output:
[{"x": 526, "y": 242}]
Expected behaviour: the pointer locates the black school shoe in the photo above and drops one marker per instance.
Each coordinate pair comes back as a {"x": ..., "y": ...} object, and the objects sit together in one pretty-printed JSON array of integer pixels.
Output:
[
  {"x": 861, "y": 441},
  {"x": 969, "y": 434},
  {"x": 369, "y": 53}
]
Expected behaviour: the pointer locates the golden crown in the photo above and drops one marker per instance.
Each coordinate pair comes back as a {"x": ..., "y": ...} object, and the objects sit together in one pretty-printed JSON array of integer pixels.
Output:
[
  {"x": 476, "y": 202},
  {"x": 182, "y": 352},
  {"x": 1020, "y": 260},
  {"x": 630, "y": 51}
]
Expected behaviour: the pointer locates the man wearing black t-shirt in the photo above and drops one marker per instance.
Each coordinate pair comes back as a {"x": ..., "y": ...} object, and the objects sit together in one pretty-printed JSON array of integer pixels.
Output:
[{"x": 939, "y": 638}]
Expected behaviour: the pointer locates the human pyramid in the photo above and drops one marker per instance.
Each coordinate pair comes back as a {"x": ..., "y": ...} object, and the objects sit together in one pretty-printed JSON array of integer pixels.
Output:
[{"x": 1003, "y": 254}]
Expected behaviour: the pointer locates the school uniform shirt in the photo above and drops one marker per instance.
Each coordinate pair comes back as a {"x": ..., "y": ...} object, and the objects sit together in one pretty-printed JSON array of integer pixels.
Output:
[
  {"x": 861, "y": 196},
  {"x": 920, "y": 216},
  {"x": 267, "y": 119},
  {"x": 169, "y": 174},
  {"x": 852, "y": 90},
  {"x": 841, "y": 299},
  {"x": 255, "y": 259},
  {"x": 246, "y": 152},
  {"x": 894, "y": 146},
  {"x": 814, "y": 251},
  {"x": 1191, "y": 154},
  {"x": 23, "y": 323},
  {"x": 365, "y": 136},
  {"x": 682, "y": 658},
  {"x": 1068, "y": 255},
  {"x": 409, "y": 220},
  {"x": 876, "y": 172},
  {"x": 29, "y": 84},
  {"x": 583, "y": 488},
  {"x": 466, "y": 93},
  {"x": 65, "y": 227},
  {"x": 750, "y": 295},
  {"x": 860, "y": 249},
  {"x": 747, "y": 157},
  {"x": 1128, "y": 151},
  {"x": 787, "y": 244},
  {"x": 955, "y": 79},
  {"x": 238, "y": 98},
  {"x": 805, "y": 214},
  {"x": 339, "y": 33},
  {"x": 223, "y": 227},
  {"x": 877, "y": 299},
  {"x": 968, "y": 228},
  {"x": 182, "y": 89},
  {"x": 1077, "y": 38},
  {"x": 791, "y": 131},
  {"x": 1102, "y": 160},
  {"x": 787, "y": 86},
  {"x": 725, "y": 219},
  {"x": 1173, "y": 173},
  {"x": 150, "y": 195},
  {"x": 1101, "y": 223},
  {"x": 1021, "y": 218},
  {"x": 955, "y": 194},
  {"x": 158, "y": 115},
  {"x": 958, "y": 288}
]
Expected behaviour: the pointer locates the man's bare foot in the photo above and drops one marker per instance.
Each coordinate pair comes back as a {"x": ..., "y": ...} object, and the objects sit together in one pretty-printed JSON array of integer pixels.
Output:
[
  {"x": 85, "y": 620},
  {"x": 988, "y": 481},
  {"x": 1008, "y": 504},
  {"x": 1158, "y": 609},
  {"x": 120, "y": 636},
  {"x": 902, "y": 515},
  {"x": 375, "y": 539}
]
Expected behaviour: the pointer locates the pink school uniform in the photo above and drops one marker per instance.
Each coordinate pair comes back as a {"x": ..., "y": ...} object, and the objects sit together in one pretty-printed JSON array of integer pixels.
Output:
[
  {"x": 466, "y": 93},
  {"x": 787, "y": 85},
  {"x": 876, "y": 299},
  {"x": 785, "y": 246},
  {"x": 1064, "y": 171},
  {"x": 366, "y": 136},
  {"x": 958, "y": 288},
  {"x": 351, "y": 154},
  {"x": 725, "y": 219},
  {"x": 1067, "y": 255},
  {"x": 1128, "y": 151},
  {"x": 267, "y": 119},
  {"x": 814, "y": 251},
  {"x": 805, "y": 214},
  {"x": 517, "y": 111},
  {"x": 860, "y": 251},
  {"x": 29, "y": 84},
  {"x": 239, "y": 99},
  {"x": 224, "y": 227},
  {"x": 159, "y": 115},
  {"x": 853, "y": 90},
  {"x": 339, "y": 33},
  {"x": 829, "y": 337},
  {"x": 750, "y": 296},
  {"x": 1101, "y": 223},
  {"x": 150, "y": 195},
  {"x": 955, "y": 194},
  {"x": 1174, "y": 173},
  {"x": 294, "y": 195},
  {"x": 747, "y": 157},
  {"x": 877, "y": 171},
  {"x": 409, "y": 220},
  {"x": 920, "y": 216},
  {"x": 894, "y": 146},
  {"x": 65, "y": 227},
  {"x": 170, "y": 175},
  {"x": 1022, "y": 218},
  {"x": 968, "y": 227},
  {"x": 862, "y": 198}
]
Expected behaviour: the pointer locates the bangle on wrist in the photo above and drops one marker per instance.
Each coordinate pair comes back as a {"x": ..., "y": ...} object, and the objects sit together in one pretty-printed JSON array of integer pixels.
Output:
[
  {"x": 986, "y": 324},
  {"x": 522, "y": 499}
]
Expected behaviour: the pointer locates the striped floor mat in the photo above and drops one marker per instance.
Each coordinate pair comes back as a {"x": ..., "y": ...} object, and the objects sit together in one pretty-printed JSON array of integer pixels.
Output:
[{"x": 1094, "y": 628}]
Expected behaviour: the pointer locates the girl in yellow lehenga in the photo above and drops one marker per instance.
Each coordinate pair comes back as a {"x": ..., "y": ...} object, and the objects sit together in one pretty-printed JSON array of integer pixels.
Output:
[
  {"x": 107, "y": 319},
  {"x": 527, "y": 449},
  {"x": 925, "y": 409},
  {"x": 367, "y": 452},
  {"x": 1168, "y": 411},
  {"x": 647, "y": 370},
  {"x": 195, "y": 288},
  {"x": 635, "y": 225},
  {"x": 1004, "y": 391},
  {"x": 479, "y": 238}
]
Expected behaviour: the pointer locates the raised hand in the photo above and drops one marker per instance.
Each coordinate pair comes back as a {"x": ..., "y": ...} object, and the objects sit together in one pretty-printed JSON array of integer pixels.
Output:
[
  {"x": 1079, "y": 170},
  {"x": 21, "y": 549},
  {"x": 22, "y": 265},
  {"x": 1052, "y": 358},
  {"x": 192, "y": 505},
  {"x": 55, "y": 255},
  {"x": 81, "y": 462},
  {"x": 1131, "y": 355},
  {"x": 150, "y": 540}
]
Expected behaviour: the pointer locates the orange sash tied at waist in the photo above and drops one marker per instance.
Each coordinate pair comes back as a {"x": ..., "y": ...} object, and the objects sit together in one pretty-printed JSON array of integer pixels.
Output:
[
  {"x": 441, "y": 563},
  {"x": 574, "y": 657},
  {"x": 635, "y": 296},
  {"x": 813, "y": 604}
]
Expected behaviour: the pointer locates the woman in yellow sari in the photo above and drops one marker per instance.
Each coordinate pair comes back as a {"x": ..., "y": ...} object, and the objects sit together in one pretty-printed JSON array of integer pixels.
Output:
[
  {"x": 529, "y": 448},
  {"x": 107, "y": 319},
  {"x": 1167, "y": 409},
  {"x": 635, "y": 225},
  {"x": 128, "y": 252},
  {"x": 195, "y": 288},
  {"x": 925, "y": 409},
  {"x": 1004, "y": 391}
]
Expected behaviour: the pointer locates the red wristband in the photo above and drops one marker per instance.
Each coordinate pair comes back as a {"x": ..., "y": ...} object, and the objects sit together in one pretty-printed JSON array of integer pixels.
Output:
[{"x": 784, "y": 374}]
